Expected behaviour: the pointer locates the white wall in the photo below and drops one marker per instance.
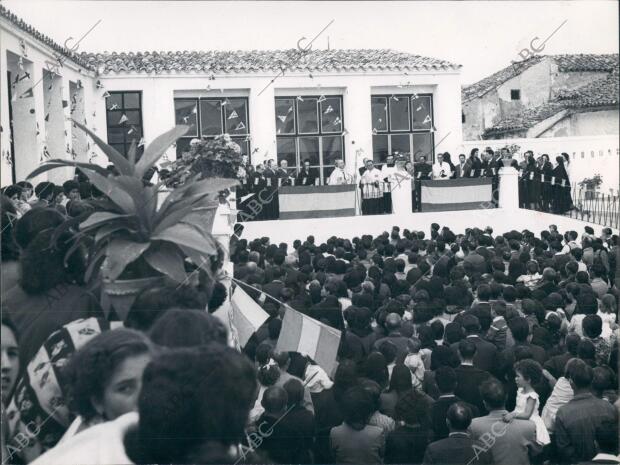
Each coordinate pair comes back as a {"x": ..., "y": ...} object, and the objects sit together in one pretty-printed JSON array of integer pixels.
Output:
[
  {"x": 356, "y": 88},
  {"x": 28, "y": 145},
  {"x": 500, "y": 220},
  {"x": 589, "y": 154}
]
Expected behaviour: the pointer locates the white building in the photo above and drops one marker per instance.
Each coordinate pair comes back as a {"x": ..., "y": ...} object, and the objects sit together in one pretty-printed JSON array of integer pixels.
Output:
[{"x": 282, "y": 104}]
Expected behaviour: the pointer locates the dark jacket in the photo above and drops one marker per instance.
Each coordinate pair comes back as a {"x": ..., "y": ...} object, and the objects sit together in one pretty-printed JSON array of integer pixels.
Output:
[
  {"x": 468, "y": 381},
  {"x": 458, "y": 449}
]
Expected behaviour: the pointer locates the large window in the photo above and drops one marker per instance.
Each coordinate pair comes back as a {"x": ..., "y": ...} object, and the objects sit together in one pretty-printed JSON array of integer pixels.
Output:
[
  {"x": 124, "y": 120},
  {"x": 310, "y": 128},
  {"x": 210, "y": 117},
  {"x": 402, "y": 125}
]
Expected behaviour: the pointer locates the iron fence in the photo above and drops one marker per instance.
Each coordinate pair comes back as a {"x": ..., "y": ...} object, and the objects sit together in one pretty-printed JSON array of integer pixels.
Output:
[{"x": 596, "y": 207}]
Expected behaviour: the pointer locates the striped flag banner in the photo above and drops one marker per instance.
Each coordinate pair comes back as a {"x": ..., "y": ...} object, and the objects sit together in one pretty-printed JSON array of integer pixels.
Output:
[
  {"x": 316, "y": 201},
  {"x": 456, "y": 194},
  {"x": 246, "y": 316},
  {"x": 305, "y": 335}
]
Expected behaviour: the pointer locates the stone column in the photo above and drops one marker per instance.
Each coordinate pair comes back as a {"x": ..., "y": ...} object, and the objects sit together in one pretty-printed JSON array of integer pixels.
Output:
[{"x": 508, "y": 188}]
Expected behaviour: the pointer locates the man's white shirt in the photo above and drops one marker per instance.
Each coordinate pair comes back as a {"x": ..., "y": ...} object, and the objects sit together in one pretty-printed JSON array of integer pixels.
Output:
[
  {"x": 441, "y": 171},
  {"x": 338, "y": 177},
  {"x": 370, "y": 177}
]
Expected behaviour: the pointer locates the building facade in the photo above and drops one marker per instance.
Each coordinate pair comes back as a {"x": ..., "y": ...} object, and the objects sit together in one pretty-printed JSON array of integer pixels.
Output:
[
  {"x": 544, "y": 96},
  {"x": 317, "y": 105}
]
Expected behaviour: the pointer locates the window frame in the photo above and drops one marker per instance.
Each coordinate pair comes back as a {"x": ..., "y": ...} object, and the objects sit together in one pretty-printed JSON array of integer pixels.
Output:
[
  {"x": 516, "y": 92},
  {"x": 241, "y": 139},
  {"x": 126, "y": 141},
  {"x": 296, "y": 135},
  {"x": 389, "y": 132}
]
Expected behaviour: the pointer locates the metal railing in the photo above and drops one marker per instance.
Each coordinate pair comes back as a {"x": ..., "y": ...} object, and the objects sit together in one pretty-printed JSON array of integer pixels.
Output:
[{"x": 596, "y": 207}]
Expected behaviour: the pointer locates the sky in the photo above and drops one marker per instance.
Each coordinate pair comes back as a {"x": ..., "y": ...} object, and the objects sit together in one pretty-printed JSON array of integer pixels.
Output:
[{"x": 482, "y": 36}]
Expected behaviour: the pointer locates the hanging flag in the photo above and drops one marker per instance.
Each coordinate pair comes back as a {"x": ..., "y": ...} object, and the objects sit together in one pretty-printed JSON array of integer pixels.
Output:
[
  {"x": 394, "y": 97},
  {"x": 47, "y": 117},
  {"x": 240, "y": 126},
  {"x": 123, "y": 119},
  {"x": 114, "y": 106},
  {"x": 374, "y": 131},
  {"x": 142, "y": 142},
  {"x": 233, "y": 115},
  {"x": 299, "y": 97},
  {"x": 247, "y": 139},
  {"x": 305, "y": 335},
  {"x": 345, "y": 132},
  {"x": 282, "y": 117},
  {"x": 337, "y": 121},
  {"x": 195, "y": 109},
  {"x": 106, "y": 94},
  {"x": 130, "y": 131},
  {"x": 321, "y": 99},
  {"x": 427, "y": 119},
  {"x": 310, "y": 76},
  {"x": 185, "y": 119},
  {"x": 99, "y": 85},
  {"x": 225, "y": 102},
  {"x": 290, "y": 109},
  {"x": 420, "y": 107},
  {"x": 27, "y": 94},
  {"x": 211, "y": 77},
  {"x": 245, "y": 316},
  {"x": 414, "y": 97},
  {"x": 329, "y": 109},
  {"x": 73, "y": 154}
]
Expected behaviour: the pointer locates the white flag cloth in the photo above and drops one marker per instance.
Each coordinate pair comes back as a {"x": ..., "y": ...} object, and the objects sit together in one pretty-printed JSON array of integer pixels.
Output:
[{"x": 246, "y": 316}]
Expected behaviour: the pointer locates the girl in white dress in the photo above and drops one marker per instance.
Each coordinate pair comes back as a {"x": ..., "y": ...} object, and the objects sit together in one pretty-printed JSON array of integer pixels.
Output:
[{"x": 528, "y": 405}]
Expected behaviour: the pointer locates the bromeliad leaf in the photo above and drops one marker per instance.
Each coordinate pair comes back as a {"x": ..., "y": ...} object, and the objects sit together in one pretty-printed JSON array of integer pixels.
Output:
[
  {"x": 120, "y": 162},
  {"x": 58, "y": 163},
  {"x": 98, "y": 218},
  {"x": 115, "y": 192},
  {"x": 186, "y": 235},
  {"x": 157, "y": 148},
  {"x": 166, "y": 258},
  {"x": 120, "y": 253}
]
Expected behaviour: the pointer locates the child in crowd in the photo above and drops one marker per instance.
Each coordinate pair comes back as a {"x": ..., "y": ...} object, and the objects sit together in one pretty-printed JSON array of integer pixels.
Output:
[
  {"x": 529, "y": 372},
  {"x": 414, "y": 362}
]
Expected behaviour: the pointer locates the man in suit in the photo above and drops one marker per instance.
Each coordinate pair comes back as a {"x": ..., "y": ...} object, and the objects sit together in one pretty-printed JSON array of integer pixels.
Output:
[
  {"x": 509, "y": 443},
  {"x": 462, "y": 166},
  {"x": 306, "y": 176},
  {"x": 607, "y": 444},
  {"x": 270, "y": 169},
  {"x": 282, "y": 173},
  {"x": 392, "y": 326},
  {"x": 468, "y": 377},
  {"x": 458, "y": 448},
  {"x": 486, "y": 353}
]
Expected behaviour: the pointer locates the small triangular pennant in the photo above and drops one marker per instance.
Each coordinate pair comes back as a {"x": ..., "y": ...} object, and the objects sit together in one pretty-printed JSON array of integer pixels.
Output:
[
  {"x": 225, "y": 102},
  {"x": 329, "y": 109},
  {"x": 99, "y": 85},
  {"x": 321, "y": 99},
  {"x": 233, "y": 115},
  {"x": 394, "y": 97},
  {"x": 290, "y": 109},
  {"x": 106, "y": 94},
  {"x": 123, "y": 119},
  {"x": 345, "y": 132},
  {"x": 240, "y": 126},
  {"x": 282, "y": 118},
  {"x": 374, "y": 131},
  {"x": 195, "y": 109},
  {"x": 420, "y": 107},
  {"x": 142, "y": 142},
  {"x": 114, "y": 106},
  {"x": 300, "y": 98},
  {"x": 27, "y": 94},
  {"x": 427, "y": 119},
  {"x": 47, "y": 117},
  {"x": 337, "y": 121}
]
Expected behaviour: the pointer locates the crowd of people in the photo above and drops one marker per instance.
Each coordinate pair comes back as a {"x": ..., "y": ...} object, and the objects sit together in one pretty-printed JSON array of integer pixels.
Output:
[{"x": 455, "y": 348}]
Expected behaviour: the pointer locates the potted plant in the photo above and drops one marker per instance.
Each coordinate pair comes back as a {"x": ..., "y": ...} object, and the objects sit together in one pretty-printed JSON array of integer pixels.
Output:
[
  {"x": 132, "y": 241},
  {"x": 591, "y": 185}
]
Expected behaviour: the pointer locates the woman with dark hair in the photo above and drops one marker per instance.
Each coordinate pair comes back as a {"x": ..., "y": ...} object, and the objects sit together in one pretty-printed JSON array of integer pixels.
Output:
[
  {"x": 446, "y": 158},
  {"x": 400, "y": 383},
  {"x": 105, "y": 377},
  {"x": 10, "y": 251},
  {"x": 560, "y": 188},
  {"x": 531, "y": 181},
  {"x": 546, "y": 171},
  {"x": 375, "y": 368},
  {"x": 187, "y": 328}
]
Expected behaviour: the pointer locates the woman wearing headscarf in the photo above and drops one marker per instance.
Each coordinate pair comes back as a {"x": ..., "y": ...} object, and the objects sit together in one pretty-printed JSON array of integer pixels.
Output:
[
  {"x": 546, "y": 171},
  {"x": 561, "y": 188},
  {"x": 531, "y": 182}
]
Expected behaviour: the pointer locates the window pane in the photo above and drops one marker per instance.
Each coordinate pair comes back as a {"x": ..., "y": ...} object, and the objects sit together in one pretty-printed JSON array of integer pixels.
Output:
[
  {"x": 307, "y": 116},
  {"x": 114, "y": 100},
  {"x": 285, "y": 116},
  {"x": 379, "y": 148},
  {"x": 309, "y": 149},
  {"x": 379, "y": 113},
  {"x": 399, "y": 113},
  {"x": 116, "y": 135},
  {"x": 400, "y": 144},
  {"x": 421, "y": 113},
  {"x": 331, "y": 115},
  {"x": 332, "y": 149},
  {"x": 286, "y": 151},
  {"x": 182, "y": 146},
  {"x": 326, "y": 173},
  {"x": 132, "y": 100},
  {"x": 211, "y": 117},
  {"x": 236, "y": 117},
  {"x": 133, "y": 117},
  {"x": 423, "y": 145},
  {"x": 185, "y": 113}
]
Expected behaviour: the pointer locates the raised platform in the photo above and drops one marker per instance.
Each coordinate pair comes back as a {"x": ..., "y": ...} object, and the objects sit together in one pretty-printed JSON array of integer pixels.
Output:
[{"x": 499, "y": 219}]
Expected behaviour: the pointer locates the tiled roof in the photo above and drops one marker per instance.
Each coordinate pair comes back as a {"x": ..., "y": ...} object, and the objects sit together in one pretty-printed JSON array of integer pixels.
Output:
[
  {"x": 478, "y": 89},
  {"x": 566, "y": 63},
  {"x": 246, "y": 61},
  {"x": 600, "y": 93},
  {"x": 21, "y": 24}
]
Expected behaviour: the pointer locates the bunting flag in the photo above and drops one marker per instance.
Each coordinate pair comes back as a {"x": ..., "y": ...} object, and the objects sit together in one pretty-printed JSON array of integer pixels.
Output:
[
  {"x": 142, "y": 142},
  {"x": 305, "y": 335},
  {"x": 114, "y": 106},
  {"x": 233, "y": 115},
  {"x": 211, "y": 77},
  {"x": 374, "y": 131},
  {"x": 240, "y": 126},
  {"x": 310, "y": 76},
  {"x": 345, "y": 132},
  {"x": 337, "y": 121},
  {"x": 47, "y": 117},
  {"x": 317, "y": 202},
  {"x": 282, "y": 117},
  {"x": 321, "y": 99},
  {"x": 225, "y": 102},
  {"x": 419, "y": 108},
  {"x": 28, "y": 94},
  {"x": 20, "y": 63},
  {"x": 427, "y": 119},
  {"x": 329, "y": 109},
  {"x": 99, "y": 85},
  {"x": 208, "y": 89},
  {"x": 300, "y": 98},
  {"x": 106, "y": 94},
  {"x": 123, "y": 119},
  {"x": 245, "y": 316},
  {"x": 195, "y": 109},
  {"x": 290, "y": 110},
  {"x": 395, "y": 98}
]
